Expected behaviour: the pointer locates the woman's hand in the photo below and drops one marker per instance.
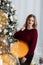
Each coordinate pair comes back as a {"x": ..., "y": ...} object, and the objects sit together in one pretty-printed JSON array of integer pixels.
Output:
[
  {"x": 23, "y": 60},
  {"x": 23, "y": 29}
]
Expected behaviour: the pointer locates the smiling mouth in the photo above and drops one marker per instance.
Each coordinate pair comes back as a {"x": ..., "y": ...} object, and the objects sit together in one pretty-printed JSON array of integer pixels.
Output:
[{"x": 29, "y": 23}]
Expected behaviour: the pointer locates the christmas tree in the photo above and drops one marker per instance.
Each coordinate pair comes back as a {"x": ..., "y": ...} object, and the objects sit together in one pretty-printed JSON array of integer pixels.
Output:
[
  {"x": 8, "y": 24},
  {"x": 8, "y": 27}
]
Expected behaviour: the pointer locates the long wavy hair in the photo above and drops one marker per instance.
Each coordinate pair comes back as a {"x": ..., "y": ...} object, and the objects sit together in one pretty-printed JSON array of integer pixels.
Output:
[{"x": 35, "y": 21}]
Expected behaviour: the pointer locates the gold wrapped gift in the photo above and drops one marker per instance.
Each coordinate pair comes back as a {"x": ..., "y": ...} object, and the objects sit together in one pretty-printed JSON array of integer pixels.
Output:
[{"x": 7, "y": 59}]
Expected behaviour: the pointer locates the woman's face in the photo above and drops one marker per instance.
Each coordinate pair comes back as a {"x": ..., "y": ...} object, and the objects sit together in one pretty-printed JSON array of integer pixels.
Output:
[{"x": 30, "y": 22}]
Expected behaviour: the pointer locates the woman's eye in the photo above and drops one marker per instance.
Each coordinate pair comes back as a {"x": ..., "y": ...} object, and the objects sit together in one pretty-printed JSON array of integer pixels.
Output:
[{"x": 32, "y": 20}]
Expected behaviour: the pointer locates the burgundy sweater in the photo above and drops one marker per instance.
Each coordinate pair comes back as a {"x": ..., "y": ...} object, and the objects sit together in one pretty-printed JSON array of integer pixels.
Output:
[{"x": 30, "y": 37}]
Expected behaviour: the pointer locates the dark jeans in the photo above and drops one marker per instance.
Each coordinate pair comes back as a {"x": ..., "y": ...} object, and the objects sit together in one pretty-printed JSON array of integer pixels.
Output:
[{"x": 28, "y": 61}]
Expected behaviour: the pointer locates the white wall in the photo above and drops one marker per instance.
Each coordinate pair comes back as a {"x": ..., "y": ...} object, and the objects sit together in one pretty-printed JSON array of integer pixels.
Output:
[{"x": 26, "y": 7}]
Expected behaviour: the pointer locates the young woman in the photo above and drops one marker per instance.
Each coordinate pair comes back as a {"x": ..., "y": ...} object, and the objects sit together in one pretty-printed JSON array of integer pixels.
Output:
[{"x": 28, "y": 34}]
